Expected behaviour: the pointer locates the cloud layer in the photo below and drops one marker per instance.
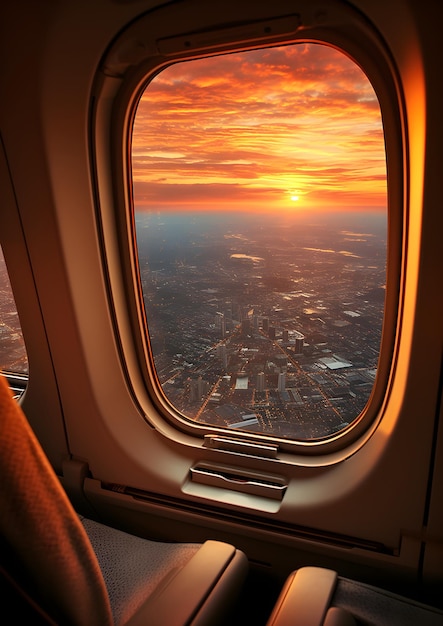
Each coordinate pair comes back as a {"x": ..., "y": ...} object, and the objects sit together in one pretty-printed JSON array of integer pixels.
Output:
[{"x": 289, "y": 127}]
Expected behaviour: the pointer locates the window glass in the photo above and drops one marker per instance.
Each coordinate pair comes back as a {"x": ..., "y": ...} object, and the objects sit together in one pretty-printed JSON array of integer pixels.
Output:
[
  {"x": 13, "y": 357},
  {"x": 260, "y": 201}
]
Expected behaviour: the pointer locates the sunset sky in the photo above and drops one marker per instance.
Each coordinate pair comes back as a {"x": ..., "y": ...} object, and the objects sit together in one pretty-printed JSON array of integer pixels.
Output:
[{"x": 289, "y": 128}]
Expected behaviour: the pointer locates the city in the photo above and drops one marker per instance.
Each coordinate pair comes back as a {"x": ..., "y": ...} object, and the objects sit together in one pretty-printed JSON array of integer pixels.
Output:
[{"x": 265, "y": 323}]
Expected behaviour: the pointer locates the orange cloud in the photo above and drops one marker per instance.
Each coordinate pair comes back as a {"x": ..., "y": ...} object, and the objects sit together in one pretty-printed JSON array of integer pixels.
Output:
[{"x": 252, "y": 130}]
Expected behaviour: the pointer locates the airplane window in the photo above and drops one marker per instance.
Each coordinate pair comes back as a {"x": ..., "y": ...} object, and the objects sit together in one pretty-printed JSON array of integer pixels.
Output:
[
  {"x": 260, "y": 210},
  {"x": 13, "y": 356}
]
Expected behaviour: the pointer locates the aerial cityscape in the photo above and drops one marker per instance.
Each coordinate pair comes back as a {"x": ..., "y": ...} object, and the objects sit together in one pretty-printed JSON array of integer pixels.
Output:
[{"x": 266, "y": 323}]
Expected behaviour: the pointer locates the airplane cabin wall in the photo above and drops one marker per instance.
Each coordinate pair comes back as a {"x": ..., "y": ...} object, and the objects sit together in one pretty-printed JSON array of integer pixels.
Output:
[{"x": 79, "y": 400}]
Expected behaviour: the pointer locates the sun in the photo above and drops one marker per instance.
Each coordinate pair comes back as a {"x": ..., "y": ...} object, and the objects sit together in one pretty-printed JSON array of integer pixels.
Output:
[{"x": 294, "y": 200}]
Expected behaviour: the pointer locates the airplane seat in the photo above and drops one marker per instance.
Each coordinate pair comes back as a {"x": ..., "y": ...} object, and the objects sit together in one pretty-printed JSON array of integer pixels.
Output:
[
  {"x": 315, "y": 596},
  {"x": 57, "y": 567}
]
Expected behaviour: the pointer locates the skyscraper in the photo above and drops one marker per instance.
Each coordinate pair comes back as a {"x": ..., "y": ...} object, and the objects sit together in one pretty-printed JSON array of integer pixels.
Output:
[
  {"x": 261, "y": 381},
  {"x": 220, "y": 324},
  {"x": 299, "y": 342},
  {"x": 281, "y": 382},
  {"x": 222, "y": 355}
]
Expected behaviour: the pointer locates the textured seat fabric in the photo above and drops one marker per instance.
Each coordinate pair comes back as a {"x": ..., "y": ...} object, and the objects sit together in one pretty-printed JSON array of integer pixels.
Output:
[
  {"x": 60, "y": 568},
  {"x": 133, "y": 567},
  {"x": 373, "y": 606}
]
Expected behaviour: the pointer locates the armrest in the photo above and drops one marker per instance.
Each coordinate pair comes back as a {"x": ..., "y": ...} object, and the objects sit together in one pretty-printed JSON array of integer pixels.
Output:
[
  {"x": 339, "y": 617},
  {"x": 304, "y": 599},
  {"x": 199, "y": 591}
]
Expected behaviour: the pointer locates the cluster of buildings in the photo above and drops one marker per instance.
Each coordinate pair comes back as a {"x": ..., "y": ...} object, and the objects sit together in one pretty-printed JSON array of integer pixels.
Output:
[{"x": 286, "y": 344}]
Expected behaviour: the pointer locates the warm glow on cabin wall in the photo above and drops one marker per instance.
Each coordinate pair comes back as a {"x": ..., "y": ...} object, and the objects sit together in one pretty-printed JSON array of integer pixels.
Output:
[
  {"x": 409, "y": 353},
  {"x": 289, "y": 128}
]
